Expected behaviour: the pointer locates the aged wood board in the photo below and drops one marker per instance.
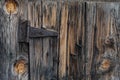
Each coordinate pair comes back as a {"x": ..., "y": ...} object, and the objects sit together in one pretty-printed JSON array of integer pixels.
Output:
[{"x": 87, "y": 46}]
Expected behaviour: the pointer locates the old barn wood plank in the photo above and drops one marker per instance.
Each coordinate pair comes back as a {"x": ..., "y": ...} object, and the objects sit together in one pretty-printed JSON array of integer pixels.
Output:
[
  {"x": 81, "y": 42},
  {"x": 50, "y": 58},
  {"x": 35, "y": 13},
  {"x": 74, "y": 53},
  {"x": 23, "y": 9},
  {"x": 101, "y": 32},
  {"x": 63, "y": 41},
  {"x": 43, "y": 58},
  {"x": 51, "y": 20},
  {"x": 49, "y": 14},
  {"x": 35, "y": 59},
  {"x": 9, "y": 46},
  {"x": 90, "y": 40},
  {"x": 54, "y": 49}
]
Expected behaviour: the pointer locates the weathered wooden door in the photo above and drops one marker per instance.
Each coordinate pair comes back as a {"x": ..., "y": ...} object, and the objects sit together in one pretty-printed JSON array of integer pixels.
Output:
[
  {"x": 85, "y": 45},
  {"x": 42, "y": 55}
]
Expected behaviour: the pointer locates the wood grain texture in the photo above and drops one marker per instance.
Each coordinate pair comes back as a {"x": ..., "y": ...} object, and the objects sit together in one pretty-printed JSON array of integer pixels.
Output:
[
  {"x": 83, "y": 45},
  {"x": 75, "y": 34},
  {"x": 63, "y": 42},
  {"x": 43, "y": 59},
  {"x": 90, "y": 38},
  {"x": 35, "y": 59},
  {"x": 9, "y": 46},
  {"x": 49, "y": 14},
  {"x": 101, "y": 24},
  {"x": 87, "y": 46},
  {"x": 34, "y": 13}
]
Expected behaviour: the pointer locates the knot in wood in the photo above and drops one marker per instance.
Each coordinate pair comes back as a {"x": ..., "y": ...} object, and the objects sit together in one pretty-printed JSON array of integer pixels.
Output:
[
  {"x": 11, "y": 6},
  {"x": 109, "y": 42},
  {"x": 20, "y": 66},
  {"x": 105, "y": 65}
]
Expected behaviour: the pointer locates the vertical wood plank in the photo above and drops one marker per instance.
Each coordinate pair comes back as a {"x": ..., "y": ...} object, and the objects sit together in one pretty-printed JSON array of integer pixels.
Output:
[
  {"x": 43, "y": 59},
  {"x": 90, "y": 38},
  {"x": 49, "y": 14},
  {"x": 23, "y": 9},
  {"x": 63, "y": 41},
  {"x": 36, "y": 59},
  {"x": 54, "y": 43},
  {"x": 74, "y": 51},
  {"x": 34, "y": 13}
]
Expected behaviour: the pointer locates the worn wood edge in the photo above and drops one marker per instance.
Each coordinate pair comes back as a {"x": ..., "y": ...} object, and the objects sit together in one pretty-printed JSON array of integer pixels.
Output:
[
  {"x": 38, "y": 33},
  {"x": 23, "y": 31}
]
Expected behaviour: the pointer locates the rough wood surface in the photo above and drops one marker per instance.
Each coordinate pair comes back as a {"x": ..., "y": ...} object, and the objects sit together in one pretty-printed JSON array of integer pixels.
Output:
[
  {"x": 87, "y": 46},
  {"x": 101, "y": 30},
  {"x": 23, "y": 31},
  {"x": 43, "y": 59},
  {"x": 8, "y": 43},
  {"x": 34, "y": 13},
  {"x": 35, "y": 59},
  {"x": 63, "y": 42},
  {"x": 49, "y": 13},
  {"x": 35, "y": 32}
]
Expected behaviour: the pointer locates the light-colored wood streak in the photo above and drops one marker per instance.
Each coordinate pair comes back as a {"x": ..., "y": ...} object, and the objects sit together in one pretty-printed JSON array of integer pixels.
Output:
[{"x": 63, "y": 42}]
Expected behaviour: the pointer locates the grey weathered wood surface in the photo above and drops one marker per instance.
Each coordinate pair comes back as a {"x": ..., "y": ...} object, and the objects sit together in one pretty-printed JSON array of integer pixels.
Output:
[
  {"x": 102, "y": 22},
  {"x": 83, "y": 27},
  {"x": 10, "y": 49},
  {"x": 43, "y": 59}
]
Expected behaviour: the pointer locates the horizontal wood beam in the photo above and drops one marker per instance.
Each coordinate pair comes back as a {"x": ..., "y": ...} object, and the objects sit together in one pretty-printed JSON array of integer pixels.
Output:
[
  {"x": 37, "y": 33},
  {"x": 25, "y": 32}
]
